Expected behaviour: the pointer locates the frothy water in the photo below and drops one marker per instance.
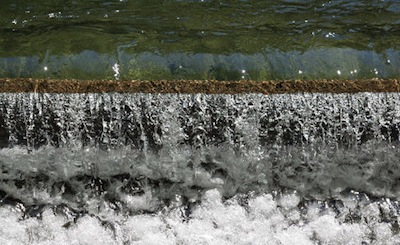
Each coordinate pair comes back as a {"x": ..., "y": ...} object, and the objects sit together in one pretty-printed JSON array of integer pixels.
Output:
[
  {"x": 141, "y": 168},
  {"x": 262, "y": 219}
]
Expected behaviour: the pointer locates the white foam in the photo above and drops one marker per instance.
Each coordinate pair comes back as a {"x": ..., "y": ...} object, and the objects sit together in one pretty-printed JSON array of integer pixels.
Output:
[{"x": 265, "y": 220}]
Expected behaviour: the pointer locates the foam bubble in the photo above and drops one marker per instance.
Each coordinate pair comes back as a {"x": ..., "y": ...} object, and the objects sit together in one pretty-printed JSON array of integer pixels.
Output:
[{"x": 265, "y": 219}]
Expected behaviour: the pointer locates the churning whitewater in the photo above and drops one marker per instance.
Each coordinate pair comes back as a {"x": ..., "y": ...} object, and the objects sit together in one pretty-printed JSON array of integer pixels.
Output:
[{"x": 199, "y": 169}]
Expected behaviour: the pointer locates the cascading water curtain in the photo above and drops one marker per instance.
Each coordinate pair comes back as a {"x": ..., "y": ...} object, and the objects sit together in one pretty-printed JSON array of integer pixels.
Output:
[{"x": 199, "y": 122}]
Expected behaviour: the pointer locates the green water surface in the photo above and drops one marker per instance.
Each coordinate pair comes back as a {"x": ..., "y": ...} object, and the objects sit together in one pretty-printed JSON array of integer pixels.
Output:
[{"x": 202, "y": 39}]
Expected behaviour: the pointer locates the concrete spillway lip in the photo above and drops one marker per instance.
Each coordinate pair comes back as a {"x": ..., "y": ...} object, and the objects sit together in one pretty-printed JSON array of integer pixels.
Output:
[{"x": 20, "y": 85}]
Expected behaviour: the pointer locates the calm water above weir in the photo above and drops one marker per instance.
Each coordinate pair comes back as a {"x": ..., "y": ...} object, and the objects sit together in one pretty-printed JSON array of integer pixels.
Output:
[{"x": 200, "y": 39}]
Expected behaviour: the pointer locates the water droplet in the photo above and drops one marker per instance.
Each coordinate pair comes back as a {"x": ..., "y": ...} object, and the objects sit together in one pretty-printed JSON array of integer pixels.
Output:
[
  {"x": 330, "y": 34},
  {"x": 116, "y": 71}
]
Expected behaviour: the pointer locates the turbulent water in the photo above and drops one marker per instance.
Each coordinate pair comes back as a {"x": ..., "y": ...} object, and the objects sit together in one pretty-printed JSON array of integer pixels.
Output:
[
  {"x": 200, "y": 169},
  {"x": 200, "y": 39}
]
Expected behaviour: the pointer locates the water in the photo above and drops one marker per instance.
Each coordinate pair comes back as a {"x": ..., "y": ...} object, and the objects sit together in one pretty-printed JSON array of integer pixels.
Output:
[
  {"x": 262, "y": 220},
  {"x": 224, "y": 40},
  {"x": 199, "y": 169},
  {"x": 315, "y": 168}
]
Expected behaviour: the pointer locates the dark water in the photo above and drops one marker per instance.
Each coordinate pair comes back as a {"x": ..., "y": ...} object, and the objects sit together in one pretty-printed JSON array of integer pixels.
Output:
[{"x": 200, "y": 39}]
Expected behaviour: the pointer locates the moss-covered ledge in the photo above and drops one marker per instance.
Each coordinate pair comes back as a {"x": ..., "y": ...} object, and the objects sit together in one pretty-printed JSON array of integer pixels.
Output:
[{"x": 17, "y": 85}]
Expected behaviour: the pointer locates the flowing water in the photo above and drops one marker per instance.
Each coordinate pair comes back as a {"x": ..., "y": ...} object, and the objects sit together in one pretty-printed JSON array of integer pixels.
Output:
[
  {"x": 200, "y": 169},
  {"x": 144, "y": 168},
  {"x": 200, "y": 39}
]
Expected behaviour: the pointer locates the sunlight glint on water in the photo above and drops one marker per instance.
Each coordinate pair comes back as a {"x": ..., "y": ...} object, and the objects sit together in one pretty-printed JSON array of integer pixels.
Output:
[{"x": 273, "y": 39}]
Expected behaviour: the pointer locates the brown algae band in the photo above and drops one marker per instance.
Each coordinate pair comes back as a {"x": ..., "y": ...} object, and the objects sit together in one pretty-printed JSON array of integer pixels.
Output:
[{"x": 18, "y": 85}]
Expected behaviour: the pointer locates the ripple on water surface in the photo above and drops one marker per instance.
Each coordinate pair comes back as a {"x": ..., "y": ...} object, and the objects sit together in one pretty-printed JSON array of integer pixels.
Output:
[{"x": 200, "y": 39}]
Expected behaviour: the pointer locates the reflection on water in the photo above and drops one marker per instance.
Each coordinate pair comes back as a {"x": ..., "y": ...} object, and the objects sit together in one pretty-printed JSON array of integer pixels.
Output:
[{"x": 200, "y": 39}]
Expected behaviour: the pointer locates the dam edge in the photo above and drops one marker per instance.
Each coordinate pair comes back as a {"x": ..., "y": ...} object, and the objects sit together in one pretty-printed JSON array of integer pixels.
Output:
[{"x": 21, "y": 85}]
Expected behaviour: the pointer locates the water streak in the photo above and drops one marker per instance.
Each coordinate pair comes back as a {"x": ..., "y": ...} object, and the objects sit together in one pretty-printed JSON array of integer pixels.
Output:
[{"x": 318, "y": 144}]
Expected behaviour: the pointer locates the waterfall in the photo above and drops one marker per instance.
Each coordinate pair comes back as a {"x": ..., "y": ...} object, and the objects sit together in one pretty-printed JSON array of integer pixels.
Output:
[
  {"x": 92, "y": 154},
  {"x": 317, "y": 144}
]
